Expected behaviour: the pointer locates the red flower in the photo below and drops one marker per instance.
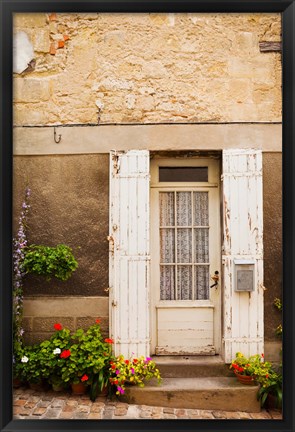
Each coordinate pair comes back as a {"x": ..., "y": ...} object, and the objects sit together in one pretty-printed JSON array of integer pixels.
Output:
[
  {"x": 116, "y": 382},
  {"x": 113, "y": 366},
  {"x": 127, "y": 362},
  {"x": 110, "y": 341},
  {"x": 84, "y": 378},
  {"x": 65, "y": 354},
  {"x": 57, "y": 326},
  {"x": 266, "y": 376},
  {"x": 262, "y": 355},
  {"x": 135, "y": 360},
  {"x": 97, "y": 321}
]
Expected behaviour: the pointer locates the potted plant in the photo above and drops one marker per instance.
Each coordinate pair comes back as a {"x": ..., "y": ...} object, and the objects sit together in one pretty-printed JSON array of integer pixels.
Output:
[
  {"x": 29, "y": 368},
  {"x": 87, "y": 360},
  {"x": 132, "y": 371},
  {"x": 51, "y": 362},
  {"x": 250, "y": 370},
  {"x": 270, "y": 393}
]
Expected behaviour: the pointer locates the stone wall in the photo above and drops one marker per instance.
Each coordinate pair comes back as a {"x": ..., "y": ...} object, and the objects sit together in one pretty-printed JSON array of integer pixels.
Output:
[{"x": 148, "y": 68}]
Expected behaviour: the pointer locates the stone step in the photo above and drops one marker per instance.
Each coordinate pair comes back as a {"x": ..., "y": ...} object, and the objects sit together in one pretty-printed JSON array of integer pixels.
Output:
[
  {"x": 214, "y": 393},
  {"x": 192, "y": 366}
]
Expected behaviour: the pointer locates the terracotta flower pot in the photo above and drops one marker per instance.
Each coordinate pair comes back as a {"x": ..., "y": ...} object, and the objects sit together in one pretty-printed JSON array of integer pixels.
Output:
[
  {"x": 16, "y": 383},
  {"x": 78, "y": 389},
  {"x": 36, "y": 386},
  {"x": 57, "y": 387},
  {"x": 245, "y": 379}
]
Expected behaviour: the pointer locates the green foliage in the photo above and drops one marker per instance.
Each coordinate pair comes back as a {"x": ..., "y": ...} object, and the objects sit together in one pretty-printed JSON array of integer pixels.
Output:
[
  {"x": 134, "y": 370},
  {"x": 83, "y": 356},
  {"x": 48, "y": 261},
  {"x": 89, "y": 360},
  {"x": 279, "y": 305},
  {"x": 29, "y": 365},
  {"x": 252, "y": 366},
  {"x": 264, "y": 374},
  {"x": 272, "y": 387},
  {"x": 50, "y": 359}
]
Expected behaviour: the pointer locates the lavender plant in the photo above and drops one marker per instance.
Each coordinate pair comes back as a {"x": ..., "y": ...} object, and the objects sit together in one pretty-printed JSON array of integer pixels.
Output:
[{"x": 19, "y": 244}]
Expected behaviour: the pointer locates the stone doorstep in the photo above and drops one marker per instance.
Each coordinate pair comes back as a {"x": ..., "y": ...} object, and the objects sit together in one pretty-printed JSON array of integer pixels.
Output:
[
  {"x": 192, "y": 366},
  {"x": 212, "y": 393}
]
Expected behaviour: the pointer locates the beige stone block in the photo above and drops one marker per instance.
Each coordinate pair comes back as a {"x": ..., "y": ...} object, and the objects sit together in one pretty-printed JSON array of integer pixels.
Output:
[
  {"x": 66, "y": 306},
  {"x": 240, "y": 68},
  {"x": 159, "y": 19},
  {"x": 45, "y": 324},
  {"x": 218, "y": 69},
  {"x": 239, "y": 90},
  {"x": 247, "y": 42},
  {"x": 29, "y": 20},
  {"x": 31, "y": 338},
  {"x": 145, "y": 103},
  {"x": 41, "y": 41},
  {"x": 31, "y": 90},
  {"x": 29, "y": 114}
]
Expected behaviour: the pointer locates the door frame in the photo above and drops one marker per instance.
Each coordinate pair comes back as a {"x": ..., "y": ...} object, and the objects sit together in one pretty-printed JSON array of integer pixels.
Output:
[{"x": 213, "y": 187}]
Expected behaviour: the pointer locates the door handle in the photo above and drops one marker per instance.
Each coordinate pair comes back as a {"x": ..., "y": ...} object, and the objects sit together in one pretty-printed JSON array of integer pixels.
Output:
[{"x": 215, "y": 277}]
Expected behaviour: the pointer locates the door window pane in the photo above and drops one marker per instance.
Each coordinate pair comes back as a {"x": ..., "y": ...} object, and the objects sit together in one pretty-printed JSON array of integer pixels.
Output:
[
  {"x": 184, "y": 245},
  {"x": 167, "y": 209},
  {"x": 202, "y": 282},
  {"x": 184, "y": 282},
  {"x": 201, "y": 245},
  {"x": 167, "y": 282},
  {"x": 167, "y": 245},
  {"x": 183, "y": 208},
  {"x": 201, "y": 211}
]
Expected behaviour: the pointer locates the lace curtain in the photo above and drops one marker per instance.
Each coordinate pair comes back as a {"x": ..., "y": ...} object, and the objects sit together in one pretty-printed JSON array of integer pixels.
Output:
[{"x": 184, "y": 245}]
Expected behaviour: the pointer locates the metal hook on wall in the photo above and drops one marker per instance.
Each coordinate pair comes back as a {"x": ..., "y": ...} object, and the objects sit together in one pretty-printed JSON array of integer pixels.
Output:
[{"x": 59, "y": 137}]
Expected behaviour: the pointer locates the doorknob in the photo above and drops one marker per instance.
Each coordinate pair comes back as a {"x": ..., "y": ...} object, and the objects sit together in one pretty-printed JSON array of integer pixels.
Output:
[{"x": 215, "y": 277}]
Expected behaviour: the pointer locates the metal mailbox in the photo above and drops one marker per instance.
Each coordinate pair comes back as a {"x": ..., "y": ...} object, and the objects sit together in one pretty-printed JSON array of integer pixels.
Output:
[{"x": 244, "y": 271}]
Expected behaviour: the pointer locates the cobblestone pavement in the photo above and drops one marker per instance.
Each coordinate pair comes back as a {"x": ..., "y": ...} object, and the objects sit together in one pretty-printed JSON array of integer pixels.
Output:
[{"x": 29, "y": 404}]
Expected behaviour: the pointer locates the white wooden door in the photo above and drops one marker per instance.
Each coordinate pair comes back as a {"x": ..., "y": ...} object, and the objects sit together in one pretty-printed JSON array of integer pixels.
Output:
[{"x": 185, "y": 253}]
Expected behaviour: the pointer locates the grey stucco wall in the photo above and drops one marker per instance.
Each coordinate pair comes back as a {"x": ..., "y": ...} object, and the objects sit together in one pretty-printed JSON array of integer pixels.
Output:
[
  {"x": 69, "y": 204},
  {"x": 273, "y": 255}
]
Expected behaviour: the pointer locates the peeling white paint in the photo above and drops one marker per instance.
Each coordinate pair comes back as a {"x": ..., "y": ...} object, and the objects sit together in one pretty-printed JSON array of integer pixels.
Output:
[
  {"x": 243, "y": 239},
  {"x": 23, "y": 52},
  {"x": 129, "y": 254}
]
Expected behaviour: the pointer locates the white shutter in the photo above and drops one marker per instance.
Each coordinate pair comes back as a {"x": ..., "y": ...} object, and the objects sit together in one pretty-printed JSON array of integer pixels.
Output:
[
  {"x": 243, "y": 240},
  {"x": 129, "y": 252}
]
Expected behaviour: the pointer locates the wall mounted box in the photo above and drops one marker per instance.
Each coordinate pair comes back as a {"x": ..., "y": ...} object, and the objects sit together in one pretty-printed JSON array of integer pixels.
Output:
[{"x": 244, "y": 275}]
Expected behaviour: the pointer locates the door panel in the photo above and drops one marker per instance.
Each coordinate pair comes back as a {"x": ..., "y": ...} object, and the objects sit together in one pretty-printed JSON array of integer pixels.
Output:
[{"x": 185, "y": 251}]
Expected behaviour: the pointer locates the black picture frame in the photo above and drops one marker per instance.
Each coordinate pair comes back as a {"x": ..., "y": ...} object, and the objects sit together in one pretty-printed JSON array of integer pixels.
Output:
[{"x": 8, "y": 7}]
